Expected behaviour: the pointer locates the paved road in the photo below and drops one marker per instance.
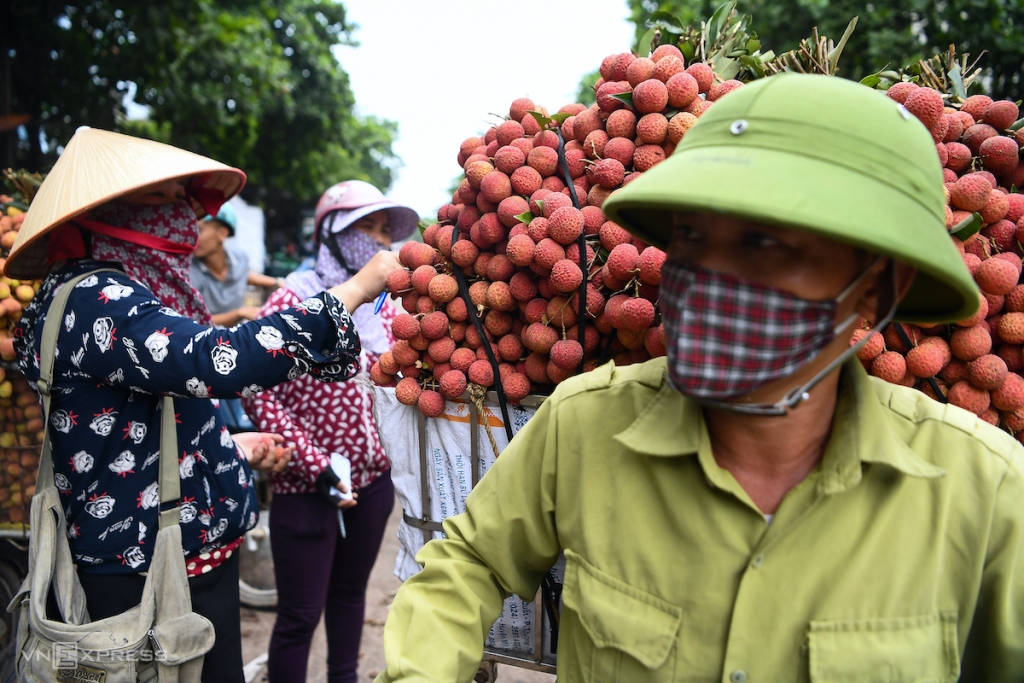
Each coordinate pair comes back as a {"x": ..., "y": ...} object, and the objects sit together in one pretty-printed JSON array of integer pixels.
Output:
[{"x": 256, "y": 625}]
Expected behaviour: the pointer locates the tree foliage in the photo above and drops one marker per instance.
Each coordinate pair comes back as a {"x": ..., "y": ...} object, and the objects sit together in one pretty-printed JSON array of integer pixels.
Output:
[
  {"x": 252, "y": 83},
  {"x": 889, "y": 34}
]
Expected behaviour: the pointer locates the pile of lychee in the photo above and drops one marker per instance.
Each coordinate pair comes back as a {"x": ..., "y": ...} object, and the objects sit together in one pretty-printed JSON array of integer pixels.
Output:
[
  {"x": 976, "y": 363},
  {"x": 518, "y": 242}
]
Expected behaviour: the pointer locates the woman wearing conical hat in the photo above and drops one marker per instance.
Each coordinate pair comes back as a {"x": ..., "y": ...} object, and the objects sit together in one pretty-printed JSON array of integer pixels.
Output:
[{"x": 132, "y": 337}]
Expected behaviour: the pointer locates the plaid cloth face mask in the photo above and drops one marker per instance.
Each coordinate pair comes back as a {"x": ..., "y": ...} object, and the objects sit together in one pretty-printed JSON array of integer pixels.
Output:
[{"x": 727, "y": 337}]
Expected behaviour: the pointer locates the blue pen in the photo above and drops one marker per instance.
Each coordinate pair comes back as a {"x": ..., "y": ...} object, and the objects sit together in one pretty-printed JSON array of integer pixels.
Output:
[{"x": 380, "y": 302}]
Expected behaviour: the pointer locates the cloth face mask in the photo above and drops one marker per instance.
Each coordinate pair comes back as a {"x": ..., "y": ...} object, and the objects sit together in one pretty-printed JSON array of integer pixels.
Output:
[{"x": 727, "y": 337}]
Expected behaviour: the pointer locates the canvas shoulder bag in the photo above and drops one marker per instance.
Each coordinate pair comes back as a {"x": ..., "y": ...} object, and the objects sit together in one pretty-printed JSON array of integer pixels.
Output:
[{"x": 161, "y": 638}]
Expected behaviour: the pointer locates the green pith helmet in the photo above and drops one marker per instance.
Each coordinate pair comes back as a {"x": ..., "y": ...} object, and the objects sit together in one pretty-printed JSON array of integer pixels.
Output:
[{"x": 820, "y": 154}]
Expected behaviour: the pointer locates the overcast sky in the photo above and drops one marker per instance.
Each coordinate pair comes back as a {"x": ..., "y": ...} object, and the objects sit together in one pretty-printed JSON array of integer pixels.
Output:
[{"x": 441, "y": 68}]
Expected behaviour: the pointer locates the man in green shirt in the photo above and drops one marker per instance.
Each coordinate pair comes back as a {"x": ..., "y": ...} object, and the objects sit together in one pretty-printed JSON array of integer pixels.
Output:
[{"x": 754, "y": 507}]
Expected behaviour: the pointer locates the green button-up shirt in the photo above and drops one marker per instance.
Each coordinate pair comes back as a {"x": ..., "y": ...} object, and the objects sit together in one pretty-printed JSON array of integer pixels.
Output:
[{"x": 899, "y": 558}]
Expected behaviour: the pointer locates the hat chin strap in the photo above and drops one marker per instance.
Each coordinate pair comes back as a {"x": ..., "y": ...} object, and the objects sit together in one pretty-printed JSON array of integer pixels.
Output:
[{"x": 802, "y": 393}]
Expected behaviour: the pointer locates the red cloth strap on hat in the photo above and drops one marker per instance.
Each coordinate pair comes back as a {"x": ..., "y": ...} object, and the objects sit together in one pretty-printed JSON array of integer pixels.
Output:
[
  {"x": 211, "y": 199},
  {"x": 65, "y": 243},
  {"x": 135, "y": 237}
]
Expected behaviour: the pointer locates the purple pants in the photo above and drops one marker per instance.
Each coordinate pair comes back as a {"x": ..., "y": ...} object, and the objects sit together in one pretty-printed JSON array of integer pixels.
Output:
[{"x": 319, "y": 572}]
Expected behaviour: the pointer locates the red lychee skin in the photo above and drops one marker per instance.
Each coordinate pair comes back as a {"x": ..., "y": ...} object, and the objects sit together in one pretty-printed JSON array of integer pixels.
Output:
[
  {"x": 498, "y": 323},
  {"x": 511, "y": 207},
  {"x": 572, "y": 252},
  {"x": 586, "y": 122},
  {"x": 556, "y": 374},
  {"x": 452, "y": 384},
  {"x": 539, "y": 338},
  {"x": 405, "y": 326},
  {"x": 703, "y": 74},
  {"x": 544, "y": 288},
  {"x": 652, "y": 129},
  {"x": 434, "y": 325},
  {"x": 1010, "y": 258},
  {"x": 926, "y": 104},
  {"x": 560, "y": 312},
  {"x": 475, "y": 173},
  {"x": 509, "y": 131},
  {"x": 609, "y": 173},
  {"x": 666, "y": 50},
  {"x": 399, "y": 281},
  {"x": 421, "y": 278},
  {"x": 443, "y": 288},
  {"x": 720, "y": 90},
  {"x": 520, "y": 108},
  {"x": 553, "y": 202},
  {"x": 565, "y": 224},
  {"x": 639, "y": 71},
  {"x": 1011, "y": 328},
  {"x": 977, "y": 134},
  {"x": 666, "y": 68},
  {"x": 595, "y": 301},
  {"x": 969, "y": 343},
  {"x": 995, "y": 307},
  {"x": 468, "y": 216},
  {"x": 620, "y": 149},
  {"x": 1015, "y": 300},
  {"x": 620, "y": 124},
  {"x": 999, "y": 154},
  {"x": 901, "y": 91},
  {"x": 535, "y": 311},
  {"x": 987, "y": 372},
  {"x": 1014, "y": 420},
  {"x": 536, "y": 368},
  {"x": 650, "y": 262},
  {"x": 500, "y": 269},
  {"x": 871, "y": 348},
  {"x": 996, "y": 208},
  {"x": 650, "y": 96},
  {"x": 604, "y": 95},
  {"x": 1010, "y": 394},
  {"x": 647, "y": 157},
  {"x": 889, "y": 366},
  {"x": 538, "y": 228},
  {"x": 593, "y": 146},
  {"x": 593, "y": 219},
  {"x": 408, "y": 391},
  {"x": 510, "y": 347},
  {"x": 544, "y": 160},
  {"x": 516, "y": 386},
  {"x": 440, "y": 350},
  {"x": 461, "y": 359},
  {"x": 464, "y": 253},
  {"x": 975, "y": 105},
  {"x": 622, "y": 261},
  {"x": 679, "y": 125},
  {"x": 979, "y": 315},
  {"x": 636, "y": 314},
  {"x": 997, "y": 276},
  {"x": 1014, "y": 211},
  {"x": 524, "y": 145},
  {"x": 387, "y": 363},
  {"x": 507, "y": 159},
  {"x": 954, "y": 128},
  {"x": 425, "y": 305},
  {"x": 955, "y": 371},
  {"x": 938, "y": 131},
  {"x": 682, "y": 90},
  {"x": 943, "y": 155},
  {"x": 381, "y": 378},
  {"x": 971, "y": 192},
  {"x": 548, "y": 253},
  {"x": 499, "y": 297},
  {"x": 566, "y": 354},
  {"x": 958, "y": 156},
  {"x": 1001, "y": 115},
  {"x": 520, "y": 250},
  {"x": 566, "y": 276},
  {"x": 522, "y": 287},
  {"x": 968, "y": 397},
  {"x": 431, "y": 403},
  {"x": 415, "y": 254},
  {"x": 480, "y": 372}
]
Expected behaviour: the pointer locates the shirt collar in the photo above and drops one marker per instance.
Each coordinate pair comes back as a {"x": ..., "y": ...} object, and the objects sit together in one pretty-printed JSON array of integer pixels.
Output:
[{"x": 672, "y": 425}]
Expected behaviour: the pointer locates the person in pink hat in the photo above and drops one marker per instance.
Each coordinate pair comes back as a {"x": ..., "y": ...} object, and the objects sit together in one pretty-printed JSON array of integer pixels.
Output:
[{"x": 330, "y": 543}]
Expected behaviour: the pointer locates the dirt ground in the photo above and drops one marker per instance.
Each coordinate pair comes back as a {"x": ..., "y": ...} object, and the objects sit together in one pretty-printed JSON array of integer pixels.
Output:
[{"x": 257, "y": 625}]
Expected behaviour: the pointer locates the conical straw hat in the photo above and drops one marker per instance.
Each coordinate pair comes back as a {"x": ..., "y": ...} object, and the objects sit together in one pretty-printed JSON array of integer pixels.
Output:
[{"x": 96, "y": 167}]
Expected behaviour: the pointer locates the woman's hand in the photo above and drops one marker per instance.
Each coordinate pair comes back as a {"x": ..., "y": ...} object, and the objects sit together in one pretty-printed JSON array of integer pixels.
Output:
[
  {"x": 264, "y": 451},
  {"x": 326, "y": 482},
  {"x": 368, "y": 283}
]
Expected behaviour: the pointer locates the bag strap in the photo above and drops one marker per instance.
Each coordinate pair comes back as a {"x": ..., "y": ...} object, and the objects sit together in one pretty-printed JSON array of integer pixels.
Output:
[{"x": 170, "y": 483}]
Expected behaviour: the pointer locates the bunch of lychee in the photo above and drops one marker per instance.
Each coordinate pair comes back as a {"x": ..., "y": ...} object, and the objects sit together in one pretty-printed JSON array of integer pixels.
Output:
[
  {"x": 517, "y": 244},
  {"x": 977, "y": 363}
]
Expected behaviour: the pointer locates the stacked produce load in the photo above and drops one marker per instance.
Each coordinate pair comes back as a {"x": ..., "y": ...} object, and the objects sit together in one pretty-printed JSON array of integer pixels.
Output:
[
  {"x": 977, "y": 363},
  {"x": 526, "y": 235},
  {"x": 21, "y": 415}
]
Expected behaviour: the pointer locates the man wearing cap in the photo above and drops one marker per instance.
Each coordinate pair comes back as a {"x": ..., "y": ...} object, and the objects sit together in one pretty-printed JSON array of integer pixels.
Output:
[
  {"x": 221, "y": 273},
  {"x": 754, "y": 507}
]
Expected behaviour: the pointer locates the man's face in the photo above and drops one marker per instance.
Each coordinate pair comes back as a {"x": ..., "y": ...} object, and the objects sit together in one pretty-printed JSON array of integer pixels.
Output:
[
  {"x": 212, "y": 234},
  {"x": 377, "y": 225}
]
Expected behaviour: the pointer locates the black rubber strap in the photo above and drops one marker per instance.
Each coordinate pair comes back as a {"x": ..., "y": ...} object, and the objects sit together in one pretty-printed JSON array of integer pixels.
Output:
[
  {"x": 902, "y": 334},
  {"x": 464, "y": 290},
  {"x": 426, "y": 524},
  {"x": 581, "y": 243}
]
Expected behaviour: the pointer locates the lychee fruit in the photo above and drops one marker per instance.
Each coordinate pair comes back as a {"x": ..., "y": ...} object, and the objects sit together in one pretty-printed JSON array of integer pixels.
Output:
[
  {"x": 566, "y": 276},
  {"x": 997, "y": 276},
  {"x": 703, "y": 74},
  {"x": 925, "y": 360},
  {"x": 975, "y": 105},
  {"x": 996, "y": 209},
  {"x": 926, "y": 104},
  {"x": 609, "y": 172},
  {"x": 1010, "y": 394},
  {"x": 646, "y": 157},
  {"x": 565, "y": 225},
  {"x": 974, "y": 136},
  {"x": 622, "y": 261},
  {"x": 443, "y": 288},
  {"x": 889, "y": 366},
  {"x": 621, "y": 149},
  {"x": 971, "y": 192},
  {"x": 434, "y": 325},
  {"x": 987, "y": 372},
  {"x": 682, "y": 90},
  {"x": 639, "y": 70},
  {"x": 519, "y": 250},
  {"x": 650, "y": 96},
  {"x": 872, "y": 348},
  {"x": 636, "y": 314},
  {"x": 408, "y": 391},
  {"x": 999, "y": 154},
  {"x": 1001, "y": 115},
  {"x": 480, "y": 372},
  {"x": 566, "y": 354},
  {"x": 720, "y": 90},
  {"x": 1011, "y": 327},
  {"x": 968, "y": 397},
  {"x": 516, "y": 387},
  {"x": 968, "y": 343},
  {"x": 405, "y": 326},
  {"x": 901, "y": 91},
  {"x": 650, "y": 262}
]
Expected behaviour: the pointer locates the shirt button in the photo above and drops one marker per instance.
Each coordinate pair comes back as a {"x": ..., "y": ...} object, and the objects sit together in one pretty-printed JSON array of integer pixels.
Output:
[
  {"x": 738, "y": 676},
  {"x": 757, "y": 562}
]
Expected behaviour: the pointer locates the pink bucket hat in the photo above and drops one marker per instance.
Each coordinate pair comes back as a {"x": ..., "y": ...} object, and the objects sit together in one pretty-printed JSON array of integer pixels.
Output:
[{"x": 358, "y": 199}]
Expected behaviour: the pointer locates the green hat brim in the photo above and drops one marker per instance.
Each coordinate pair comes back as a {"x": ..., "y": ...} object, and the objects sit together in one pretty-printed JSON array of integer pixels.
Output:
[{"x": 796, "y": 191}]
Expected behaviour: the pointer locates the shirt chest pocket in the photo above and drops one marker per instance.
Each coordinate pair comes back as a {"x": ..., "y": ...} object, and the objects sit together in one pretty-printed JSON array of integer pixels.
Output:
[
  {"x": 922, "y": 649},
  {"x": 617, "y": 632}
]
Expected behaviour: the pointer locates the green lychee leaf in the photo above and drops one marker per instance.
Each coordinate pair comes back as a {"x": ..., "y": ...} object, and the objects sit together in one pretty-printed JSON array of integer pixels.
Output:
[
  {"x": 542, "y": 120},
  {"x": 958, "y": 82},
  {"x": 643, "y": 48},
  {"x": 540, "y": 205},
  {"x": 667, "y": 18},
  {"x": 1017, "y": 125},
  {"x": 967, "y": 227},
  {"x": 753, "y": 45},
  {"x": 423, "y": 224},
  {"x": 837, "y": 51},
  {"x": 871, "y": 81},
  {"x": 525, "y": 217},
  {"x": 626, "y": 97},
  {"x": 559, "y": 118},
  {"x": 688, "y": 51},
  {"x": 754, "y": 64}
]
